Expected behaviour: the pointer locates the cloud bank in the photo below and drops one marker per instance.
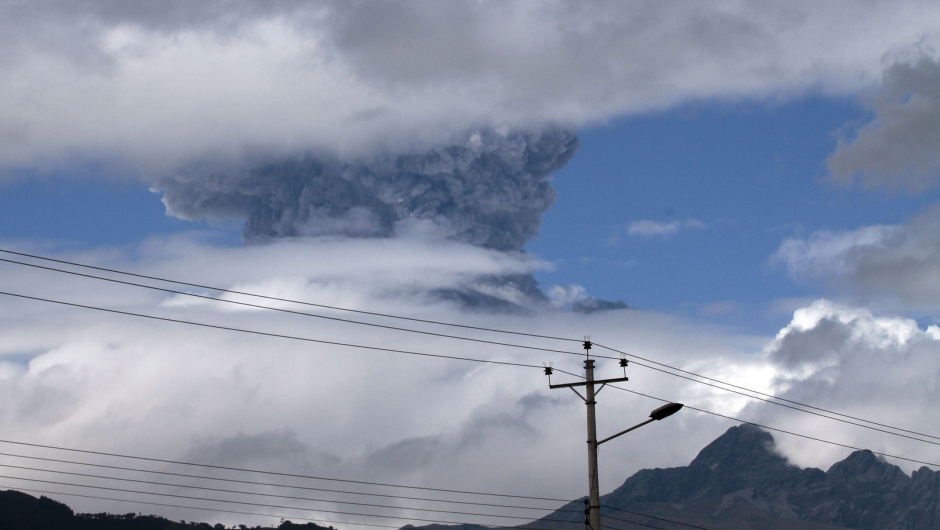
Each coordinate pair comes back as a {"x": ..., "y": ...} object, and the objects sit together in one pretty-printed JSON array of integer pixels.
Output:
[
  {"x": 894, "y": 267},
  {"x": 102, "y": 82},
  {"x": 849, "y": 360}
]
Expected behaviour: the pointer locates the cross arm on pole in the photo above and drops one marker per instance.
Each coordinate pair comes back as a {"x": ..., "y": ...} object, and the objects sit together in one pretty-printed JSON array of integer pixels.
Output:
[{"x": 585, "y": 383}]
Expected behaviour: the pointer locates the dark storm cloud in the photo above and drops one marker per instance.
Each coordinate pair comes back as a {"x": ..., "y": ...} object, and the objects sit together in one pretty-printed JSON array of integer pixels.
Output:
[{"x": 489, "y": 189}]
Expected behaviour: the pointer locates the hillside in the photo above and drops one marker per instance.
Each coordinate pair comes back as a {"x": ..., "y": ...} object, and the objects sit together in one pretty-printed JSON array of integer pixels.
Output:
[{"x": 19, "y": 511}]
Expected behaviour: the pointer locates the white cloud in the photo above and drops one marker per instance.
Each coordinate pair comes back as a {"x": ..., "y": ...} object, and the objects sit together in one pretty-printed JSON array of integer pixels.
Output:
[
  {"x": 649, "y": 228},
  {"x": 562, "y": 296},
  {"x": 892, "y": 266},
  {"x": 98, "y": 82},
  {"x": 846, "y": 359}
]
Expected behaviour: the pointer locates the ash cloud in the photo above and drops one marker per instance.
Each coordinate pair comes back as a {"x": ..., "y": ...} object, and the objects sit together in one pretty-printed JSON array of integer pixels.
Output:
[{"x": 488, "y": 189}]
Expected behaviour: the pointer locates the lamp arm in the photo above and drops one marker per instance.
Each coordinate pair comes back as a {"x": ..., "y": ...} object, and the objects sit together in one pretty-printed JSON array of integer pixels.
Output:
[{"x": 637, "y": 426}]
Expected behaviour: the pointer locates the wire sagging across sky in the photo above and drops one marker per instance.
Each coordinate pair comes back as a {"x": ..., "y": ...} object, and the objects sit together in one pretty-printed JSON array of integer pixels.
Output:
[{"x": 660, "y": 367}]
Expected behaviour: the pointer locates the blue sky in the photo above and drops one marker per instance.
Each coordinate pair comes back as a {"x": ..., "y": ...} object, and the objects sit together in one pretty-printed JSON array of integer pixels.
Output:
[
  {"x": 751, "y": 173},
  {"x": 759, "y": 180}
]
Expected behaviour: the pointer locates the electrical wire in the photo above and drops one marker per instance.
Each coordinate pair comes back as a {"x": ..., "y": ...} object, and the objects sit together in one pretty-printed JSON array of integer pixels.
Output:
[
  {"x": 219, "y": 510},
  {"x": 423, "y": 354},
  {"x": 278, "y": 473},
  {"x": 791, "y": 407},
  {"x": 637, "y": 523},
  {"x": 275, "y": 485},
  {"x": 308, "y": 499},
  {"x": 274, "y": 298},
  {"x": 248, "y": 503},
  {"x": 449, "y": 357},
  {"x": 391, "y": 350},
  {"x": 758, "y": 392},
  {"x": 264, "y": 505},
  {"x": 266, "y": 334},
  {"x": 279, "y": 516},
  {"x": 649, "y": 516},
  {"x": 289, "y": 311},
  {"x": 270, "y": 495},
  {"x": 183, "y": 293},
  {"x": 300, "y": 487},
  {"x": 777, "y": 429},
  {"x": 477, "y": 360}
]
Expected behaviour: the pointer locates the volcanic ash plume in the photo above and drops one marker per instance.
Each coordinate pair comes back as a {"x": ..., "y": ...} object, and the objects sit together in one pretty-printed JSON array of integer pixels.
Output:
[{"x": 489, "y": 189}]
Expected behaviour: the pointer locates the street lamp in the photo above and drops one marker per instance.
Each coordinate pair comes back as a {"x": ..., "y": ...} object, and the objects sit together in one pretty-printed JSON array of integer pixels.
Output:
[
  {"x": 662, "y": 412},
  {"x": 594, "y": 503}
]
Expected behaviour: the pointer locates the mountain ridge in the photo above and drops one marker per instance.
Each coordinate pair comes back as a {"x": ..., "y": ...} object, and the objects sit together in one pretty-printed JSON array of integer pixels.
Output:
[{"x": 742, "y": 466}]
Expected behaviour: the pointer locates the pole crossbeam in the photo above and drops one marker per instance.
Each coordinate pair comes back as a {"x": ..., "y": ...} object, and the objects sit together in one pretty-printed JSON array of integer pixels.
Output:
[{"x": 596, "y": 381}]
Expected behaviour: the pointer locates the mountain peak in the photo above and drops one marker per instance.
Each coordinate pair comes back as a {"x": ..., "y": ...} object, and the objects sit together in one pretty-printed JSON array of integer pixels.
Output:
[
  {"x": 743, "y": 457},
  {"x": 865, "y": 467},
  {"x": 744, "y": 445}
]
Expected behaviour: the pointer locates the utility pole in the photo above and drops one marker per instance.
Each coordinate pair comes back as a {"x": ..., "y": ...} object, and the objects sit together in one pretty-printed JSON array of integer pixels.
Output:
[
  {"x": 595, "y": 494},
  {"x": 594, "y": 498}
]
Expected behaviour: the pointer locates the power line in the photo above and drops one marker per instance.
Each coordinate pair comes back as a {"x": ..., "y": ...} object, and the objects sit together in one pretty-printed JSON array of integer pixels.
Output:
[
  {"x": 758, "y": 392},
  {"x": 791, "y": 407},
  {"x": 479, "y": 360},
  {"x": 423, "y": 354},
  {"x": 562, "y": 509},
  {"x": 391, "y": 350},
  {"x": 267, "y": 334},
  {"x": 636, "y": 523},
  {"x": 278, "y": 473},
  {"x": 289, "y": 517},
  {"x": 272, "y": 495},
  {"x": 288, "y": 311},
  {"x": 649, "y": 516},
  {"x": 776, "y": 429},
  {"x": 739, "y": 420},
  {"x": 219, "y": 510},
  {"x": 247, "y": 503},
  {"x": 264, "y": 505},
  {"x": 633, "y": 356},
  {"x": 183, "y": 293},
  {"x": 323, "y": 306},
  {"x": 270, "y": 484}
]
